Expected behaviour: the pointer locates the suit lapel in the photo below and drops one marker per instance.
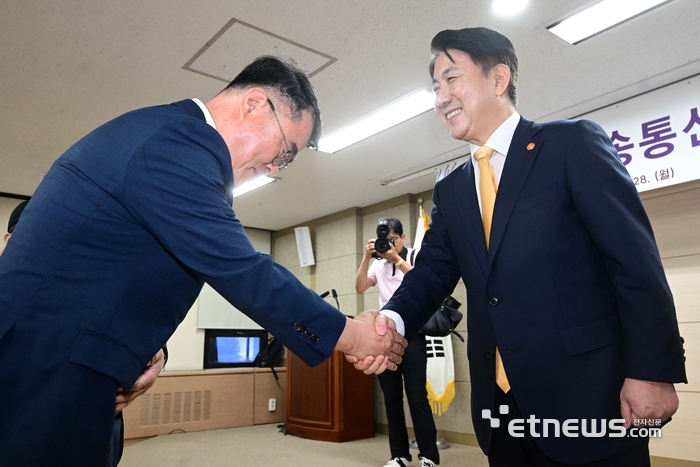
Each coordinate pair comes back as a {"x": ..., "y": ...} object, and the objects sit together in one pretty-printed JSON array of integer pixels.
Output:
[
  {"x": 515, "y": 172},
  {"x": 465, "y": 189}
]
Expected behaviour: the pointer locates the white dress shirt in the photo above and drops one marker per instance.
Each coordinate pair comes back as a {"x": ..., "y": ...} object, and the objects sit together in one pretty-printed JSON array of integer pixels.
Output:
[
  {"x": 499, "y": 141},
  {"x": 207, "y": 114}
]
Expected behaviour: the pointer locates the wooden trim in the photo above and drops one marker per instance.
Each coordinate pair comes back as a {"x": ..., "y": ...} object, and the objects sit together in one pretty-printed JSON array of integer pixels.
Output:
[
  {"x": 669, "y": 190},
  {"x": 668, "y": 462},
  {"x": 356, "y": 211},
  {"x": 212, "y": 372},
  {"x": 388, "y": 204}
]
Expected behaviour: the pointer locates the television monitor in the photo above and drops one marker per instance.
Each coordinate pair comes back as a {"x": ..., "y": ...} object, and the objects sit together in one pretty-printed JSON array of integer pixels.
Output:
[{"x": 232, "y": 348}]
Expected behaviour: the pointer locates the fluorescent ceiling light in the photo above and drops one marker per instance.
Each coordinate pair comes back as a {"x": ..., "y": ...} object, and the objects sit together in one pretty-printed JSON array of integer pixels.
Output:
[
  {"x": 399, "y": 111},
  {"x": 600, "y": 17},
  {"x": 508, "y": 7},
  {"x": 252, "y": 185}
]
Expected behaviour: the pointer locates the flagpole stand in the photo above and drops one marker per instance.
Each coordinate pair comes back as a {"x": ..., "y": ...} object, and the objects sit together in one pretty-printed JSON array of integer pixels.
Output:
[{"x": 441, "y": 443}]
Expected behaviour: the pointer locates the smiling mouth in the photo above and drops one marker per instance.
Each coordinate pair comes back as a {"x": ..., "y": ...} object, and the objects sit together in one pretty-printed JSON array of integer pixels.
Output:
[{"x": 453, "y": 113}]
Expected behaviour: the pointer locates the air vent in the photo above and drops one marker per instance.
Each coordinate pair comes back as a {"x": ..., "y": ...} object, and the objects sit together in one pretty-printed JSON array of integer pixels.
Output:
[
  {"x": 237, "y": 44},
  {"x": 163, "y": 409}
]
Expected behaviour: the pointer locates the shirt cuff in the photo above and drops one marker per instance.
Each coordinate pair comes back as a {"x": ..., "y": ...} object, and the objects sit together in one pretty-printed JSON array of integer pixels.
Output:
[{"x": 400, "y": 328}]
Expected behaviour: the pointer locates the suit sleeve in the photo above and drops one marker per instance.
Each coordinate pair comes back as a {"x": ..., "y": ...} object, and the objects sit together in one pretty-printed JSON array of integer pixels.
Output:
[
  {"x": 609, "y": 206},
  {"x": 178, "y": 188},
  {"x": 433, "y": 277}
]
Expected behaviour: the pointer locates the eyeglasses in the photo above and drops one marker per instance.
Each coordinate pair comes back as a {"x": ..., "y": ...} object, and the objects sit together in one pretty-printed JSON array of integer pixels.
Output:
[{"x": 287, "y": 157}]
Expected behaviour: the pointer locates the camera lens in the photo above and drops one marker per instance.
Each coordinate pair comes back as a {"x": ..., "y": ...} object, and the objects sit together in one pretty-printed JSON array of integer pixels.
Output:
[{"x": 382, "y": 245}]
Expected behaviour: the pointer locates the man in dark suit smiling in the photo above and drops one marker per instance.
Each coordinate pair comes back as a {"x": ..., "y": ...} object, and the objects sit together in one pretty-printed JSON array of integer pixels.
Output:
[
  {"x": 116, "y": 244},
  {"x": 569, "y": 315}
]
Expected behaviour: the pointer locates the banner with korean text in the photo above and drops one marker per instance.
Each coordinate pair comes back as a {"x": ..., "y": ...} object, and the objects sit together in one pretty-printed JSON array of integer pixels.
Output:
[{"x": 657, "y": 134}]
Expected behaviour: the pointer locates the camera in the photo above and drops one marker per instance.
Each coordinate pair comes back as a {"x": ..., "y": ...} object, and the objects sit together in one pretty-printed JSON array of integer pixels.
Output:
[{"x": 382, "y": 244}]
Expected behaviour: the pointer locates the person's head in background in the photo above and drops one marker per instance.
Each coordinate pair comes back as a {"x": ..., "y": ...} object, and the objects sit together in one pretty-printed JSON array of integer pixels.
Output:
[
  {"x": 396, "y": 235},
  {"x": 14, "y": 218}
]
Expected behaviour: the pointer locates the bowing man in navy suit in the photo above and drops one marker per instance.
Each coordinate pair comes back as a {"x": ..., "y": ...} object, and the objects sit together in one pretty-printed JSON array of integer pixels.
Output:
[
  {"x": 116, "y": 243},
  {"x": 569, "y": 316},
  {"x": 144, "y": 382}
]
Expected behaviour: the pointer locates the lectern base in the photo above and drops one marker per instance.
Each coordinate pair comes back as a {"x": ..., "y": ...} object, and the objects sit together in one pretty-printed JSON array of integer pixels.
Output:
[{"x": 329, "y": 402}]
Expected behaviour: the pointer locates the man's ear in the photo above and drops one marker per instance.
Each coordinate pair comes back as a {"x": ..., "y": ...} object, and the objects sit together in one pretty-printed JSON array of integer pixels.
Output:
[
  {"x": 501, "y": 76},
  {"x": 254, "y": 99}
]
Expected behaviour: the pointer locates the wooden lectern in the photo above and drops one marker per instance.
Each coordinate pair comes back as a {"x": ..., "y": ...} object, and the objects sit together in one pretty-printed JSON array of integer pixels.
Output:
[{"x": 329, "y": 402}]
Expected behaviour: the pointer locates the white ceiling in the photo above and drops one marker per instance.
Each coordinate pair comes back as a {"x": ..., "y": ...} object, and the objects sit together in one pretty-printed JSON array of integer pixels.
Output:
[{"x": 68, "y": 66}]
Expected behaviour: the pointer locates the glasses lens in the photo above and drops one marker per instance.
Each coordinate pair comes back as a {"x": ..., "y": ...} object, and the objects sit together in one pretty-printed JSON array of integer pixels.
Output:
[{"x": 283, "y": 160}]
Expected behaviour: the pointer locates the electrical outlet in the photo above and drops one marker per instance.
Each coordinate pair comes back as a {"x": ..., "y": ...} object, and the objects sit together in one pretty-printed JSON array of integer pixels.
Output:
[{"x": 272, "y": 405}]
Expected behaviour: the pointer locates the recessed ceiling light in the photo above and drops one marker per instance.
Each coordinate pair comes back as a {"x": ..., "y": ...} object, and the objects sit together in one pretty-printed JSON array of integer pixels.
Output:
[
  {"x": 392, "y": 114},
  {"x": 600, "y": 17},
  {"x": 252, "y": 185},
  {"x": 508, "y": 7}
]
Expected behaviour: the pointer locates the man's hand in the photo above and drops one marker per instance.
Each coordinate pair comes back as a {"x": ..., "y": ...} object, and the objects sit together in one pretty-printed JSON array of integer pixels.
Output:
[
  {"x": 144, "y": 383},
  {"x": 369, "y": 248},
  {"x": 370, "y": 351},
  {"x": 641, "y": 400},
  {"x": 392, "y": 255}
]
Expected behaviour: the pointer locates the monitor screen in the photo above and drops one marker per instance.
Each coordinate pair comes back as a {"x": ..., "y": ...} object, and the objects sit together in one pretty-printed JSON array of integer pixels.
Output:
[{"x": 231, "y": 348}]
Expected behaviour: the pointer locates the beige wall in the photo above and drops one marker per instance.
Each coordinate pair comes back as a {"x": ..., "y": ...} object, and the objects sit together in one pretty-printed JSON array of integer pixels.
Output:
[
  {"x": 675, "y": 217},
  {"x": 186, "y": 345}
]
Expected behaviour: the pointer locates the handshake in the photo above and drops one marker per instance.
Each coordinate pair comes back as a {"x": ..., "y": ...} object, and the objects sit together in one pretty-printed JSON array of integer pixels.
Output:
[{"x": 370, "y": 341}]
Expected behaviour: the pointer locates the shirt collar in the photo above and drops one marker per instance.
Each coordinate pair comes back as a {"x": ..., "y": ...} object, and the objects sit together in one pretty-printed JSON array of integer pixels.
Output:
[
  {"x": 501, "y": 138},
  {"x": 205, "y": 111}
]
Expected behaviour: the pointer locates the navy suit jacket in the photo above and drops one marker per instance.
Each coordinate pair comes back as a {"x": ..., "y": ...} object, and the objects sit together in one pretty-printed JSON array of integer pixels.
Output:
[
  {"x": 572, "y": 290},
  {"x": 111, "y": 253}
]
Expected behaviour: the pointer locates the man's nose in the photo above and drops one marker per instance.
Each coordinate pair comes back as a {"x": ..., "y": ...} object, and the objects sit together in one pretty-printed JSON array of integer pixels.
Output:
[
  {"x": 442, "y": 98},
  {"x": 271, "y": 169}
]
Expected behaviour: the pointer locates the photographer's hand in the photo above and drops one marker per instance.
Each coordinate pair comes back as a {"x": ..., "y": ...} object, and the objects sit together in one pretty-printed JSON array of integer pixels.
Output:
[
  {"x": 391, "y": 255},
  {"x": 362, "y": 281},
  {"x": 369, "y": 248}
]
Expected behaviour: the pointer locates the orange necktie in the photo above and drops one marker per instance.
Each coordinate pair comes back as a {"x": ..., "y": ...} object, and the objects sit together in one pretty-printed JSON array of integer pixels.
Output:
[{"x": 488, "y": 186}]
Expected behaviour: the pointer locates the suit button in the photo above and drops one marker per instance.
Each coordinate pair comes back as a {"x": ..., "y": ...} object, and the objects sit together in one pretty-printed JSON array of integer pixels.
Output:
[
  {"x": 315, "y": 339},
  {"x": 309, "y": 334},
  {"x": 297, "y": 327},
  {"x": 489, "y": 355},
  {"x": 493, "y": 301}
]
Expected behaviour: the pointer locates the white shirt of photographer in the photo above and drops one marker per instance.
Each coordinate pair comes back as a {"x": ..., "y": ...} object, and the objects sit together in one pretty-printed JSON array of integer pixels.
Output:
[{"x": 380, "y": 271}]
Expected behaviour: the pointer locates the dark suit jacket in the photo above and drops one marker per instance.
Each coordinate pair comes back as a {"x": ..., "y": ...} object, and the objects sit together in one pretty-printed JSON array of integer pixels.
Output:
[
  {"x": 107, "y": 259},
  {"x": 572, "y": 289}
]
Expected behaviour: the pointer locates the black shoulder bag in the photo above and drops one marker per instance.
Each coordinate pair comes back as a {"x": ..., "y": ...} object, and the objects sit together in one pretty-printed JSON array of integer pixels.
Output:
[{"x": 444, "y": 320}]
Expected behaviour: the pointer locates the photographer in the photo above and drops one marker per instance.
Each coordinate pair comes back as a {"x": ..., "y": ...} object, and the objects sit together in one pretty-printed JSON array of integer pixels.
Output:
[{"x": 393, "y": 261}]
